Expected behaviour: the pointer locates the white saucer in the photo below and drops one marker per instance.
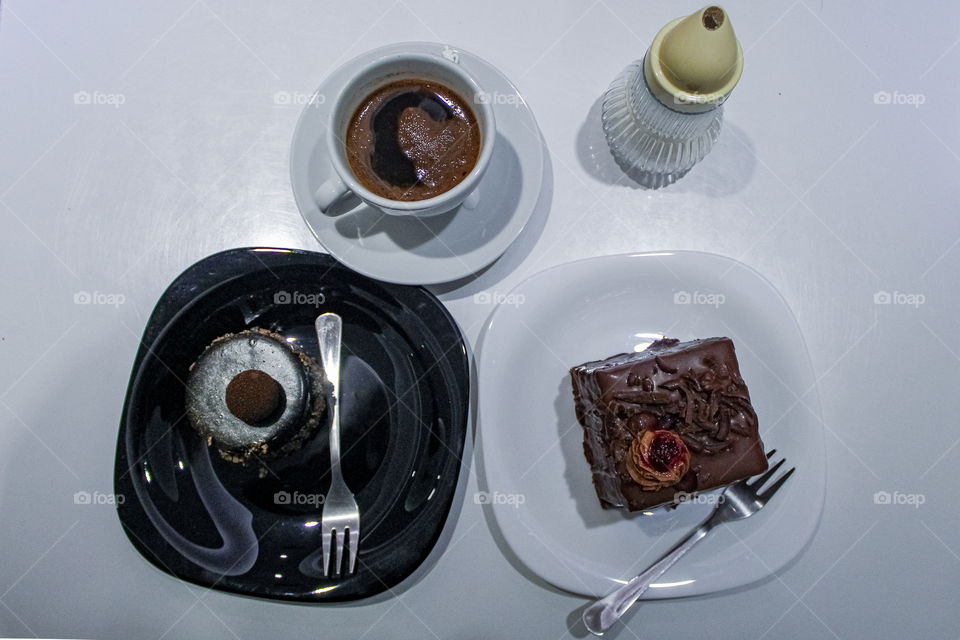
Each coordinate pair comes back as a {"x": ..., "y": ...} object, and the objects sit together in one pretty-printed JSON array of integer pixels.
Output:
[
  {"x": 538, "y": 483},
  {"x": 442, "y": 248}
]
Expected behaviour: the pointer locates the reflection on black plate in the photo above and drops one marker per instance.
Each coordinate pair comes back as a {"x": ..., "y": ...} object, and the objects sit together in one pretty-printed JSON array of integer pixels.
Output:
[{"x": 405, "y": 389}]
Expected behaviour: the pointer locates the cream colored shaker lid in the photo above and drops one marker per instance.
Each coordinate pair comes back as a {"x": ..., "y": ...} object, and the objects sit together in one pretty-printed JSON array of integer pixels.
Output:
[{"x": 695, "y": 61}]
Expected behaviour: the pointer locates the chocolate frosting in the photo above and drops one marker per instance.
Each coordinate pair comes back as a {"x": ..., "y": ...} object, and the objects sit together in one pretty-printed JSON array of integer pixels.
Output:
[{"x": 691, "y": 388}]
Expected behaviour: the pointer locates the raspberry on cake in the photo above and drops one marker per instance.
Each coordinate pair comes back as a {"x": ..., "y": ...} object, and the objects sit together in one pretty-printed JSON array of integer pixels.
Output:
[{"x": 675, "y": 417}]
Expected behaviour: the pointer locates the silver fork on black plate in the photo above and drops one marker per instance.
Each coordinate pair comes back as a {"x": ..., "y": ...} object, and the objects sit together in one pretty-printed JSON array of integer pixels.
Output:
[
  {"x": 340, "y": 512},
  {"x": 740, "y": 500}
]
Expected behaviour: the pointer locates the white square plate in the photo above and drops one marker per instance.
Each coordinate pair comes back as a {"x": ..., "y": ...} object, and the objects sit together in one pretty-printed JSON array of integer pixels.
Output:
[{"x": 537, "y": 482}]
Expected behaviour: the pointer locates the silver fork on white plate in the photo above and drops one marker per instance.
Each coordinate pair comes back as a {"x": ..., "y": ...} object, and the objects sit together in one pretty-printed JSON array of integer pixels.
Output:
[
  {"x": 341, "y": 515},
  {"x": 739, "y": 500}
]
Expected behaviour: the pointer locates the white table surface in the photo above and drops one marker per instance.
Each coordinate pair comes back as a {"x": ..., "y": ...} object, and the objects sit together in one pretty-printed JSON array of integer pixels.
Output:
[{"x": 828, "y": 194}]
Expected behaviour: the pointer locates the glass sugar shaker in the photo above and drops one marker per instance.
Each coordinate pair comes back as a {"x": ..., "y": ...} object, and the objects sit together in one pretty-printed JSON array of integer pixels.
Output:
[{"x": 662, "y": 114}]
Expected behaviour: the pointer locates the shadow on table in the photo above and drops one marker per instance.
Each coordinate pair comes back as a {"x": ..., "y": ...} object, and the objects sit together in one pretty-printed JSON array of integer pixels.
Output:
[
  {"x": 726, "y": 170},
  {"x": 516, "y": 253}
]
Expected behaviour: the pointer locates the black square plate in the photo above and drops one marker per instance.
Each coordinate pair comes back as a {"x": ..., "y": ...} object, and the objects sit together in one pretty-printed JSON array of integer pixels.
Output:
[{"x": 248, "y": 529}]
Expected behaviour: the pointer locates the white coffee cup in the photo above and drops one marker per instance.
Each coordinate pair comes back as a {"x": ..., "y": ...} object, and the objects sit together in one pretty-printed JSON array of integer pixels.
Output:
[{"x": 392, "y": 68}]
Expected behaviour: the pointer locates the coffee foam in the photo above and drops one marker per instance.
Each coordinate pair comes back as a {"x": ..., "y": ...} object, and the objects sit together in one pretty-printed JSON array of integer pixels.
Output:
[{"x": 412, "y": 139}]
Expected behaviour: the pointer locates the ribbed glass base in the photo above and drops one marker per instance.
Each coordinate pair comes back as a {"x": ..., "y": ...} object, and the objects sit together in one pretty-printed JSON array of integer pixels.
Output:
[{"x": 652, "y": 143}]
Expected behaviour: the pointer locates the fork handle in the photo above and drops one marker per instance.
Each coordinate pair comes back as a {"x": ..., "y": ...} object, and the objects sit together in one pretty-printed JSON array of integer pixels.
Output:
[
  {"x": 601, "y": 615},
  {"x": 329, "y": 328}
]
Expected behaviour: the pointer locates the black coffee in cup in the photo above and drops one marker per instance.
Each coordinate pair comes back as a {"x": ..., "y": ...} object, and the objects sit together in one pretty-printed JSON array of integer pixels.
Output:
[{"x": 412, "y": 139}]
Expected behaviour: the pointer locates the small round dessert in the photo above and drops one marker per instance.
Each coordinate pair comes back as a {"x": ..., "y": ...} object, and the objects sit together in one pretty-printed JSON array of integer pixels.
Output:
[{"x": 254, "y": 396}]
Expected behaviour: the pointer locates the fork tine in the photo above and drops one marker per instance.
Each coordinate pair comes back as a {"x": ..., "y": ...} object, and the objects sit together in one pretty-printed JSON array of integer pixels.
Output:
[
  {"x": 325, "y": 541},
  {"x": 770, "y": 453},
  {"x": 756, "y": 484},
  {"x": 772, "y": 489},
  {"x": 354, "y": 547},
  {"x": 339, "y": 539}
]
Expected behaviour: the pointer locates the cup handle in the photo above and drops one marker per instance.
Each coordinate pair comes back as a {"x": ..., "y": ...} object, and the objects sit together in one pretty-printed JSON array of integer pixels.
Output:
[{"x": 330, "y": 193}]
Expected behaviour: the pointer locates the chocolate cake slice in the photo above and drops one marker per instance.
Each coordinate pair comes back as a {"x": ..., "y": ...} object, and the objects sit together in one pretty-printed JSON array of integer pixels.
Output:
[{"x": 673, "y": 418}]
